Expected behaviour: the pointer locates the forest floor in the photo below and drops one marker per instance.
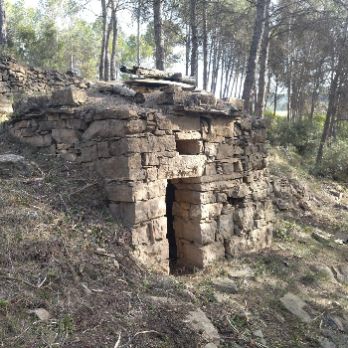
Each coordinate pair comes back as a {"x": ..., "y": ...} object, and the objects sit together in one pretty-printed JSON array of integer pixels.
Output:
[{"x": 66, "y": 280}]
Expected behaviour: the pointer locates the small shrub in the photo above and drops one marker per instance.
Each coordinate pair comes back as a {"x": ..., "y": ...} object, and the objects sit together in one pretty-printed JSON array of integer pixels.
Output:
[
  {"x": 304, "y": 135},
  {"x": 4, "y": 304},
  {"x": 66, "y": 325},
  {"x": 334, "y": 164}
]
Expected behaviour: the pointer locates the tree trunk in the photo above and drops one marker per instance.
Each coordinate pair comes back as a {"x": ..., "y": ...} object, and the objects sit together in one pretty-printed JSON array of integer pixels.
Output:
[
  {"x": 315, "y": 93},
  {"x": 205, "y": 46},
  {"x": 210, "y": 60},
  {"x": 253, "y": 54},
  {"x": 289, "y": 88},
  {"x": 72, "y": 63},
  {"x": 275, "y": 98},
  {"x": 331, "y": 111},
  {"x": 289, "y": 72},
  {"x": 104, "y": 30},
  {"x": 264, "y": 55},
  {"x": 188, "y": 49},
  {"x": 158, "y": 28},
  {"x": 234, "y": 80},
  {"x": 222, "y": 75},
  {"x": 114, "y": 42},
  {"x": 106, "y": 50},
  {"x": 194, "y": 38},
  {"x": 229, "y": 76},
  {"x": 215, "y": 67},
  {"x": 240, "y": 91},
  {"x": 3, "y": 32},
  {"x": 138, "y": 31}
]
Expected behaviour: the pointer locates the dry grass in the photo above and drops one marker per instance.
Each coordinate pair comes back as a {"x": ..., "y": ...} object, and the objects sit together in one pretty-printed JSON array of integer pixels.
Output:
[{"x": 59, "y": 251}]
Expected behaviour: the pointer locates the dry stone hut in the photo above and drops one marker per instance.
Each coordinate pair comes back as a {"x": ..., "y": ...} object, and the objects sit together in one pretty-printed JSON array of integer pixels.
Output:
[{"x": 185, "y": 174}]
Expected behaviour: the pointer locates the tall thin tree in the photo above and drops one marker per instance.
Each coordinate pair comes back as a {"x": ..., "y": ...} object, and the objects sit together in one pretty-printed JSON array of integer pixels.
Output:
[
  {"x": 104, "y": 33},
  {"x": 264, "y": 55},
  {"x": 249, "y": 83},
  {"x": 3, "y": 33},
  {"x": 114, "y": 4},
  {"x": 205, "y": 46},
  {"x": 194, "y": 38},
  {"x": 158, "y": 28}
]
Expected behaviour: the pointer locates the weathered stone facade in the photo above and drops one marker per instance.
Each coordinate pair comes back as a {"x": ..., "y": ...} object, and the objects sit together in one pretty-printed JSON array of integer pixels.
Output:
[{"x": 182, "y": 171}]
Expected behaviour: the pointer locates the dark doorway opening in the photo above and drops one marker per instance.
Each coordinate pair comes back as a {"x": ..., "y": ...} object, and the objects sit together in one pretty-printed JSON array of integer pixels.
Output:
[{"x": 173, "y": 250}]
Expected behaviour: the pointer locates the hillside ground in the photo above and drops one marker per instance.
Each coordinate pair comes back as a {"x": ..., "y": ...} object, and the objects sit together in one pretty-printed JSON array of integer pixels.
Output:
[{"x": 67, "y": 281}]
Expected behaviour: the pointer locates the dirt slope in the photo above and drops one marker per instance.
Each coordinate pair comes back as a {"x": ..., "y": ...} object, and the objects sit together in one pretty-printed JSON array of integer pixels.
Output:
[{"x": 59, "y": 252}]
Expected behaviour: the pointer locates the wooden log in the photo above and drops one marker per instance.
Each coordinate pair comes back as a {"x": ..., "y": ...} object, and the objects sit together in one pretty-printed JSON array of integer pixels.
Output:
[
  {"x": 146, "y": 85},
  {"x": 206, "y": 111},
  {"x": 158, "y": 75},
  {"x": 112, "y": 88}
]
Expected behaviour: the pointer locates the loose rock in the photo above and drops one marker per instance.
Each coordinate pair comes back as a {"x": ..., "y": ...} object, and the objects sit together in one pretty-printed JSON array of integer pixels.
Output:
[
  {"x": 225, "y": 285},
  {"x": 341, "y": 274},
  {"x": 295, "y": 305},
  {"x": 199, "y": 322}
]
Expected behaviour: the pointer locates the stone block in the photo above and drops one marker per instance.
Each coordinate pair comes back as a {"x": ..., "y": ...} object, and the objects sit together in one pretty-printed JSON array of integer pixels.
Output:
[
  {"x": 225, "y": 151},
  {"x": 194, "y": 197},
  {"x": 151, "y": 174},
  {"x": 239, "y": 191},
  {"x": 135, "y": 126},
  {"x": 257, "y": 240},
  {"x": 67, "y": 136},
  {"x": 69, "y": 156},
  {"x": 226, "y": 226},
  {"x": 155, "y": 256},
  {"x": 103, "y": 149},
  {"x": 130, "y": 214},
  {"x": 76, "y": 123},
  {"x": 137, "y": 191},
  {"x": 150, "y": 159},
  {"x": 183, "y": 167},
  {"x": 46, "y": 125},
  {"x": 244, "y": 218},
  {"x": 222, "y": 127},
  {"x": 38, "y": 140},
  {"x": 210, "y": 169},
  {"x": 188, "y": 135},
  {"x": 120, "y": 112},
  {"x": 181, "y": 209},
  {"x": 162, "y": 143},
  {"x": 68, "y": 97},
  {"x": 205, "y": 211},
  {"x": 231, "y": 166},
  {"x": 150, "y": 232},
  {"x": 178, "y": 123},
  {"x": 88, "y": 153},
  {"x": 105, "y": 129},
  {"x": 210, "y": 183},
  {"x": 202, "y": 233},
  {"x": 211, "y": 149},
  {"x": 191, "y": 254},
  {"x": 28, "y": 132},
  {"x": 121, "y": 168}
]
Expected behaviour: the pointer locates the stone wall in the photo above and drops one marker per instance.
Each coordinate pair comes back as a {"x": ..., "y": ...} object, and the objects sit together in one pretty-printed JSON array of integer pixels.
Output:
[
  {"x": 208, "y": 153},
  {"x": 17, "y": 79}
]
